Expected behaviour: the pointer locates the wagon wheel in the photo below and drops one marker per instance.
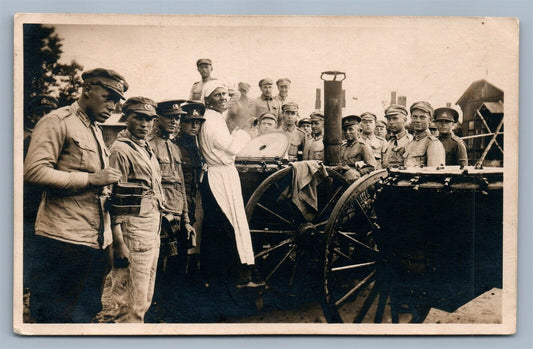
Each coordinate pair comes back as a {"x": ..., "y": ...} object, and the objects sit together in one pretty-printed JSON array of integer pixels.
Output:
[
  {"x": 287, "y": 244},
  {"x": 358, "y": 279}
]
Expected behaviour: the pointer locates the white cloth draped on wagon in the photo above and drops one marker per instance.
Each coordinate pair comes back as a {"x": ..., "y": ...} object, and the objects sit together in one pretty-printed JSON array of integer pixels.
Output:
[{"x": 219, "y": 147}]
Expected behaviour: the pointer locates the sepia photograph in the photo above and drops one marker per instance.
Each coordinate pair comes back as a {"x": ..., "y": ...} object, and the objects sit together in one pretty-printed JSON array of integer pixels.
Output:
[{"x": 237, "y": 175}]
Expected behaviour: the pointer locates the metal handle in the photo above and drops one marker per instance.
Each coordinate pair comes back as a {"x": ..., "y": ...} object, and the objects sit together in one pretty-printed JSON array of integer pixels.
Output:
[{"x": 335, "y": 74}]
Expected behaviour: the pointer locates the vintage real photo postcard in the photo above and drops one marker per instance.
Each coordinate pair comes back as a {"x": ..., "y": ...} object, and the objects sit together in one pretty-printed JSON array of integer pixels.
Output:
[{"x": 207, "y": 175}]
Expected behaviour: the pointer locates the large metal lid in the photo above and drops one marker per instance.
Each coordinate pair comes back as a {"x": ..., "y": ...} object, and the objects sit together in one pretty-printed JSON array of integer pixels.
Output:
[{"x": 270, "y": 145}]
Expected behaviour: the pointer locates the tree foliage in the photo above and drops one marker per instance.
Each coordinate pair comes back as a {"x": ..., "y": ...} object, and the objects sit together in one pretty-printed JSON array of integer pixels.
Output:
[{"x": 43, "y": 73}]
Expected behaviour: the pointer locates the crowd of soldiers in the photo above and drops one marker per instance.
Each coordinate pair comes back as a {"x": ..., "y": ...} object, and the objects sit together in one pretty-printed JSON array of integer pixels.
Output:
[{"x": 110, "y": 217}]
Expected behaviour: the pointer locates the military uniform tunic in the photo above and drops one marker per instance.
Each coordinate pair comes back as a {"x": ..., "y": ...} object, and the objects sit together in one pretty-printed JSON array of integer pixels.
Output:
[
  {"x": 191, "y": 163},
  {"x": 378, "y": 146},
  {"x": 263, "y": 104},
  {"x": 196, "y": 90},
  {"x": 314, "y": 148},
  {"x": 455, "y": 149},
  {"x": 169, "y": 158},
  {"x": 395, "y": 148},
  {"x": 424, "y": 150},
  {"x": 356, "y": 151},
  {"x": 297, "y": 140}
]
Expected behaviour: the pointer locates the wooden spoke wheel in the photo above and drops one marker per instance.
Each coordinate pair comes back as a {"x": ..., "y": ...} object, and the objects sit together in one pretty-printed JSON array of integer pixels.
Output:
[
  {"x": 359, "y": 281},
  {"x": 287, "y": 243}
]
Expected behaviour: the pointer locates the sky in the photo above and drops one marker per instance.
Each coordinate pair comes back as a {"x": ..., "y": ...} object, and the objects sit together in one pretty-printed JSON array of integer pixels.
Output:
[{"x": 433, "y": 59}]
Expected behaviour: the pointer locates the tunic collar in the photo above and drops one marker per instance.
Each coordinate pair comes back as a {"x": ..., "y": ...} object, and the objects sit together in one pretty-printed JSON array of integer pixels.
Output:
[
  {"x": 82, "y": 115},
  {"x": 421, "y": 135}
]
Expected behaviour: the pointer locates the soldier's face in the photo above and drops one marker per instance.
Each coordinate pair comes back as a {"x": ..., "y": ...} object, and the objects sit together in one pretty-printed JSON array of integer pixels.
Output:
[
  {"x": 380, "y": 130},
  {"x": 205, "y": 70},
  {"x": 266, "y": 126},
  {"x": 396, "y": 123},
  {"x": 100, "y": 103},
  {"x": 317, "y": 126},
  {"x": 168, "y": 124},
  {"x": 191, "y": 127},
  {"x": 351, "y": 132},
  {"x": 283, "y": 90},
  {"x": 367, "y": 126},
  {"x": 266, "y": 90},
  {"x": 306, "y": 128},
  {"x": 420, "y": 120},
  {"x": 218, "y": 99},
  {"x": 444, "y": 126},
  {"x": 139, "y": 125}
]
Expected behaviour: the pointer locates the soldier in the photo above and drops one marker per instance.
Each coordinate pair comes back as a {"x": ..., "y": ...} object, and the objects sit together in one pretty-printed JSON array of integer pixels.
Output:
[
  {"x": 267, "y": 123},
  {"x": 424, "y": 149},
  {"x": 314, "y": 147},
  {"x": 378, "y": 144},
  {"x": 455, "y": 148},
  {"x": 305, "y": 125},
  {"x": 191, "y": 163},
  {"x": 381, "y": 129},
  {"x": 265, "y": 102},
  {"x": 205, "y": 67},
  {"x": 297, "y": 137},
  {"x": 67, "y": 157},
  {"x": 354, "y": 153},
  {"x": 40, "y": 105},
  {"x": 176, "y": 224},
  {"x": 396, "y": 116},
  {"x": 129, "y": 286},
  {"x": 283, "y": 84}
]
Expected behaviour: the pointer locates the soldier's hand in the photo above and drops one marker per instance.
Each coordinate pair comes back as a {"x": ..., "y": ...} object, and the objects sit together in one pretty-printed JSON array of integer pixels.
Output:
[
  {"x": 121, "y": 255},
  {"x": 106, "y": 176},
  {"x": 190, "y": 230}
]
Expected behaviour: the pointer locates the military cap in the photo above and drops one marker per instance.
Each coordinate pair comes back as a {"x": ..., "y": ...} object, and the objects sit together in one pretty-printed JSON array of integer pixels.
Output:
[
  {"x": 369, "y": 115},
  {"x": 107, "y": 78},
  {"x": 139, "y": 105},
  {"x": 267, "y": 115},
  {"x": 304, "y": 121},
  {"x": 289, "y": 106},
  {"x": 193, "y": 111},
  {"x": 170, "y": 107},
  {"x": 349, "y": 120},
  {"x": 317, "y": 115},
  {"x": 446, "y": 113},
  {"x": 396, "y": 109},
  {"x": 244, "y": 86},
  {"x": 43, "y": 102},
  {"x": 422, "y": 105},
  {"x": 266, "y": 81},
  {"x": 383, "y": 123},
  {"x": 283, "y": 81},
  {"x": 203, "y": 61}
]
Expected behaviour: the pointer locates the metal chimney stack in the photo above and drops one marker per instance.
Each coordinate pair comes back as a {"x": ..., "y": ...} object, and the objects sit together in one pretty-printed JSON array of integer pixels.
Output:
[{"x": 332, "y": 116}]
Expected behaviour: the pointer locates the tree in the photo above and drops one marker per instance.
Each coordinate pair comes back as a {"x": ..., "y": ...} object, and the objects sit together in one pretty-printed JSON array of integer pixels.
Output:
[{"x": 43, "y": 74}]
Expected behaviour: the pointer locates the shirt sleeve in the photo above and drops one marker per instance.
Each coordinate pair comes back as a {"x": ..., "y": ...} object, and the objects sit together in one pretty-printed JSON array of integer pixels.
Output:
[
  {"x": 232, "y": 143},
  {"x": 44, "y": 151},
  {"x": 462, "y": 155},
  {"x": 368, "y": 156},
  {"x": 436, "y": 154},
  {"x": 118, "y": 161}
]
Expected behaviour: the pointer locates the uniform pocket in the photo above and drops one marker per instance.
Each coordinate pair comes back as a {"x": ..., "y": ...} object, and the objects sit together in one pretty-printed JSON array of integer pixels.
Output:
[{"x": 85, "y": 153}]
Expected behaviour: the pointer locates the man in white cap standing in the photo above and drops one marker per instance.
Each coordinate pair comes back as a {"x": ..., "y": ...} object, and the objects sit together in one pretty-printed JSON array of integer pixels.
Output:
[{"x": 226, "y": 234}]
